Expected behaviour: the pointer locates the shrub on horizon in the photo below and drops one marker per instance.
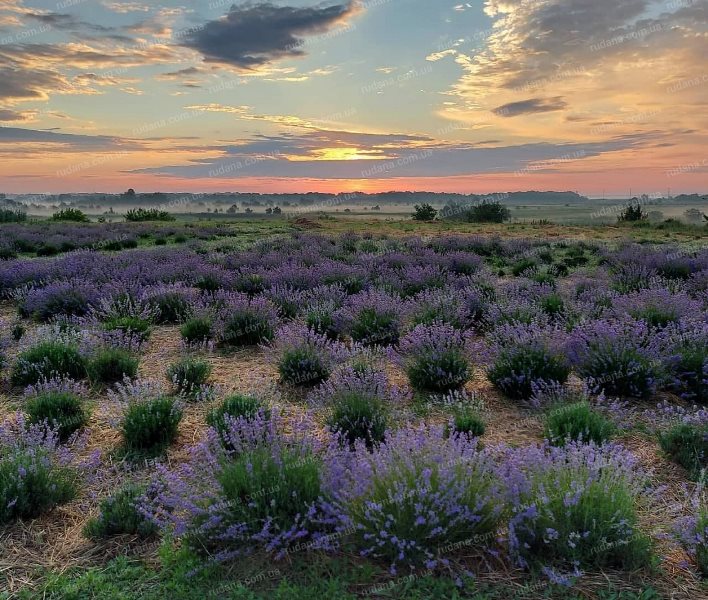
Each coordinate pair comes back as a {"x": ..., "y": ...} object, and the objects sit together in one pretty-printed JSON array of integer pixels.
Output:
[
  {"x": 424, "y": 212},
  {"x": 147, "y": 214},
  {"x": 488, "y": 212},
  {"x": 71, "y": 215}
]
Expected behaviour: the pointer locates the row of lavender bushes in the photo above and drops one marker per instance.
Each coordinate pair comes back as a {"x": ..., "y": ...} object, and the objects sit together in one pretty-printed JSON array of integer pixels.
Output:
[{"x": 264, "y": 480}]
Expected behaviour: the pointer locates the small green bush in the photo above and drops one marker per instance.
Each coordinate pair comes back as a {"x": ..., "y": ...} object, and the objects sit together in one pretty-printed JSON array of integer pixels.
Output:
[
  {"x": 189, "y": 375},
  {"x": 43, "y": 484},
  {"x": 373, "y": 327},
  {"x": 302, "y": 366},
  {"x": 130, "y": 325},
  {"x": 172, "y": 307},
  {"x": 583, "y": 516},
  {"x": 150, "y": 425},
  {"x": 235, "y": 407},
  {"x": 47, "y": 250},
  {"x": 466, "y": 420},
  {"x": 247, "y": 328},
  {"x": 356, "y": 416},
  {"x": 321, "y": 320},
  {"x": 196, "y": 329},
  {"x": 110, "y": 365},
  {"x": 689, "y": 372},
  {"x": 47, "y": 360},
  {"x": 119, "y": 515},
  {"x": 522, "y": 265},
  {"x": 687, "y": 445},
  {"x": 577, "y": 422},
  {"x": 440, "y": 372},
  {"x": 277, "y": 489},
  {"x": 517, "y": 369},
  {"x": 62, "y": 411},
  {"x": 553, "y": 305}
]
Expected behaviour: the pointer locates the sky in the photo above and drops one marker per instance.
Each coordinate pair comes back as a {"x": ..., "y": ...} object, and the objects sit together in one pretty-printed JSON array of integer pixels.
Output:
[{"x": 603, "y": 97}]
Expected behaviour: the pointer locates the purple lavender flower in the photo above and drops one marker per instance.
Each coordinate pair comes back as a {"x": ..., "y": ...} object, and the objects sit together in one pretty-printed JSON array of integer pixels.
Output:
[
  {"x": 523, "y": 357},
  {"x": 620, "y": 357},
  {"x": 435, "y": 357},
  {"x": 38, "y": 473},
  {"x": 575, "y": 507},
  {"x": 263, "y": 494},
  {"x": 371, "y": 318},
  {"x": 691, "y": 531},
  {"x": 243, "y": 321},
  {"x": 415, "y": 498},
  {"x": 303, "y": 356}
]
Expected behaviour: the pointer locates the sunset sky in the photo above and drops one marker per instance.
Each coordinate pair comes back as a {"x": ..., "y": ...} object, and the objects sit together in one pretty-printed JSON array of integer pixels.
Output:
[{"x": 597, "y": 96}]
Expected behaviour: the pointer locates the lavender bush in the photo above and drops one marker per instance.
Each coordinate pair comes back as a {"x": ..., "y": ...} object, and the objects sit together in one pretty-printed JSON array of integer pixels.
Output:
[
  {"x": 37, "y": 473},
  {"x": 244, "y": 321},
  {"x": 435, "y": 357},
  {"x": 417, "y": 493},
  {"x": 526, "y": 356},
  {"x": 575, "y": 508},
  {"x": 619, "y": 357},
  {"x": 357, "y": 402},
  {"x": 304, "y": 357},
  {"x": 57, "y": 404},
  {"x": 149, "y": 419},
  {"x": 261, "y": 493},
  {"x": 692, "y": 531},
  {"x": 371, "y": 318},
  {"x": 685, "y": 359}
]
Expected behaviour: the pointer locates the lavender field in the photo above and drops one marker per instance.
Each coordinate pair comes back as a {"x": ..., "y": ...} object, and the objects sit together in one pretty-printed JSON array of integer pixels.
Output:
[{"x": 348, "y": 415}]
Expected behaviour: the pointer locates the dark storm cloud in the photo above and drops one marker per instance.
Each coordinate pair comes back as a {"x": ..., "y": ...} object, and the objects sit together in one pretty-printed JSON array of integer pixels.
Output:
[
  {"x": 254, "y": 34},
  {"x": 530, "y": 106}
]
